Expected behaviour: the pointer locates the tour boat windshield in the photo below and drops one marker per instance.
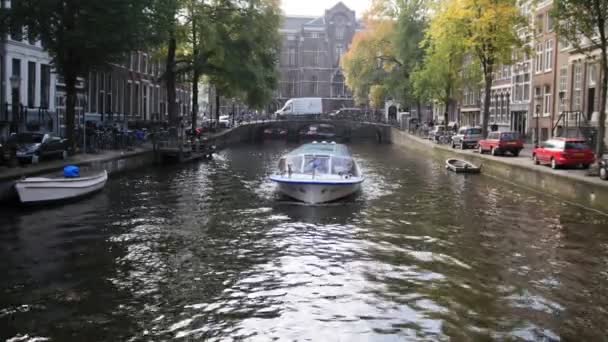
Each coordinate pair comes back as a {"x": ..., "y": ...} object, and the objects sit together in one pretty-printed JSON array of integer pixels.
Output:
[{"x": 319, "y": 159}]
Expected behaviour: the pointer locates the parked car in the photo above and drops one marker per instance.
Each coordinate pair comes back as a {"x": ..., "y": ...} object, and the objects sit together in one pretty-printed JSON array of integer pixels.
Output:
[
  {"x": 466, "y": 137},
  {"x": 560, "y": 152},
  {"x": 497, "y": 143},
  {"x": 32, "y": 147}
]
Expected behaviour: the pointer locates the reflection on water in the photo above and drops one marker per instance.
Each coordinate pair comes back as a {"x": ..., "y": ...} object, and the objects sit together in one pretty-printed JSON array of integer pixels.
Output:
[{"x": 210, "y": 251}]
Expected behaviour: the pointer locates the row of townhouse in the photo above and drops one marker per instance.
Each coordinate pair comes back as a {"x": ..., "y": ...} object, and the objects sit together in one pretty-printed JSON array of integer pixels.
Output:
[
  {"x": 33, "y": 98},
  {"x": 550, "y": 91}
]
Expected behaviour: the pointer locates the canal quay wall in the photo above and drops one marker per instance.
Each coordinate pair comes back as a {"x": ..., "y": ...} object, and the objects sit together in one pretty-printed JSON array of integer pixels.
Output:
[
  {"x": 112, "y": 161},
  {"x": 568, "y": 185}
]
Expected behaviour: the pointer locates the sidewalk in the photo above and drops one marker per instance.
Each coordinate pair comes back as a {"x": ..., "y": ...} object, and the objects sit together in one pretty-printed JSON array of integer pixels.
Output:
[
  {"x": 7, "y": 173},
  {"x": 523, "y": 160}
]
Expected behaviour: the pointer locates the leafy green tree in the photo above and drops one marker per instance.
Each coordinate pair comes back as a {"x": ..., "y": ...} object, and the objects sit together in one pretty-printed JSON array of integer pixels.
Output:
[
  {"x": 439, "y": 76},
  {"x": 81, "y": 35},
  {"x": 244, "y": 64},
  {"x": 164, "y": 31},
  {"x": 387, "y": 52},
  {"x": 489, "y": 32},
  {"x": 584, "y": 24}
]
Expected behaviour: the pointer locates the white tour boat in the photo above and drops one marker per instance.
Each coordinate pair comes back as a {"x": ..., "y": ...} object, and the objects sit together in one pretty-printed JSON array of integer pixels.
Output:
[
  {"x": 318, "y": 173},
  {"x": 48, "y": 189}
]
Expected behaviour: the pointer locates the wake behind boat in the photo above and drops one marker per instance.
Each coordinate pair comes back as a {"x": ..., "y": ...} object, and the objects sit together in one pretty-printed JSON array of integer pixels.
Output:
[{"x": 318, "y": 173}]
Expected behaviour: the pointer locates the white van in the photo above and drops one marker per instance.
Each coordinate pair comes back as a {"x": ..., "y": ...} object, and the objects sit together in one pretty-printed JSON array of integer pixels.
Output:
[{"x": 301, "y": 106}]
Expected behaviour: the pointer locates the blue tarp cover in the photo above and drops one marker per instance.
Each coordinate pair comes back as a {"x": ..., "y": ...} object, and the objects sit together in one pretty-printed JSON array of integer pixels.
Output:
[{"x": 71, "y": 171}]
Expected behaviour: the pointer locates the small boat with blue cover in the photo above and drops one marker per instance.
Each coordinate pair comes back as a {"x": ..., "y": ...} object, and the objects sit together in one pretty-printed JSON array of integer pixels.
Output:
[
  {"x": 69, "y": 185},
  {"x": 318, "y": 173}
]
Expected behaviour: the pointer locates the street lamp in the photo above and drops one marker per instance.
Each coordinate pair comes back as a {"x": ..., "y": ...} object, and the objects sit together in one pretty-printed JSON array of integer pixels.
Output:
[{"x": 537, "y": 126}]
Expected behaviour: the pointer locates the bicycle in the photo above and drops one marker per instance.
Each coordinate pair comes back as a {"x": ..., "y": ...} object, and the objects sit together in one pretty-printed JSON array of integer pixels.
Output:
[{"x": 444, "y": 139}]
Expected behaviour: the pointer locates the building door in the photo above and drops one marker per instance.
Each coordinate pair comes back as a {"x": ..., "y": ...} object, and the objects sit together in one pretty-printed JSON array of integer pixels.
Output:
[{"x": 590, "y": 102}]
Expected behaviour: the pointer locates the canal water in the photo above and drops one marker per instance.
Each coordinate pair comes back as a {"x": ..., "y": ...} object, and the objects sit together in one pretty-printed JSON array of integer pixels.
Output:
[{"x": 209, "y": 252}]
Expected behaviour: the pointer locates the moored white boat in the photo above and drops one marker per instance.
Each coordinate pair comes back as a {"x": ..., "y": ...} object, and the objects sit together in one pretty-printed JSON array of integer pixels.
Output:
[
  {"x": 318, "y": 173},
  {"x": 461, "y": 166},
  {"x": 43, "y": 189}
]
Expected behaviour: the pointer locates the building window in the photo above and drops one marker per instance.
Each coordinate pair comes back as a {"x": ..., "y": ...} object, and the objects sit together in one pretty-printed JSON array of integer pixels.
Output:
[
  {"x": 339, "y": 53},
  {"x": 144, "y": 59},
  {"x": 314, "y": 86},
  {"x": 136, "y": 99},
  {"x": 563, "y": 87},
  {"x": 291, "y": 55},
  {"x": 45, "y": 85},
  {"x": 539, "y": 24},
  {"x": 109, "y": 93},
  {"x": 102, "y": 93},
  {"x": 93, "y": 92},
  {"x": 578, "y": 86},
  {"x": 145, "y": 101},
  {"x": 592, "y": 75},
  {"x": 539, "y": 58},
  {"x": 549, "y": 22},
  {"x": 547, "y": 104},
  {"x": 31, "y": 84},
  {"x": 549, "y": 55},
  {"x": 340, "y": 32},
  {"x": 128, "y": 98}
]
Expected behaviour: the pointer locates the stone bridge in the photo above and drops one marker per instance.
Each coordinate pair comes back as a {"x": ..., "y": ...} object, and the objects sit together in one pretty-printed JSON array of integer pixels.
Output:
[{"x": 345, "y": 130}]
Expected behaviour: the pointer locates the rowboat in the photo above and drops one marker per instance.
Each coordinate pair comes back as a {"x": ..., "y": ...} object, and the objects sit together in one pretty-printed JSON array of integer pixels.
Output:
[
  {"x": 318, "y": 173},
  {"x": 50, "y": 189},
  {"x": 461, "y": 166}
]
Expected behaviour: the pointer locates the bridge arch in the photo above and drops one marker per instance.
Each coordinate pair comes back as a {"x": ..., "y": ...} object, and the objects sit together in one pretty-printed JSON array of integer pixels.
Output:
[{"x": 343, "y": 129}]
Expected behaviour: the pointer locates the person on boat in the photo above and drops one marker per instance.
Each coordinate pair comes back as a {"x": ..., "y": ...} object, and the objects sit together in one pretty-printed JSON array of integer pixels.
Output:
[{"x": 289, "y": 170}]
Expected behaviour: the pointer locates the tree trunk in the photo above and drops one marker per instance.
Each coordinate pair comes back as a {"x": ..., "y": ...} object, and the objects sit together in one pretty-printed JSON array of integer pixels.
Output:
[
  {"x": 446, "y": 113},
  {"x": 217, "y": 105},
  {"x": 195, "y": 72},
  {"x": 486, "y": 100},
  {"x": 170, "y": 80},
  {"x": 70, "y": 110},
  {"x": 601, "y": 125}
]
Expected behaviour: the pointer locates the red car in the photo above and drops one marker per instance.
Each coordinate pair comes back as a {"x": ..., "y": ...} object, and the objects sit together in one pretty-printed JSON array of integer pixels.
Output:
[
  {"x": 564, "y": 152},
  {"x": 498, "y": 143}
]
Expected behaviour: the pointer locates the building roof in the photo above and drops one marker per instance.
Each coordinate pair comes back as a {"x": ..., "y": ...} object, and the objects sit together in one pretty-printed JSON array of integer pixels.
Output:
[
  {"x": 320, "y": 21},
  {"x": 296, "y": 22}
]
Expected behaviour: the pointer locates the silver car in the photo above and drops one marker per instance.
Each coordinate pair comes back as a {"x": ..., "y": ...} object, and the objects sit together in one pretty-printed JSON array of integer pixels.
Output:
[{"x": 467, "y": 137}]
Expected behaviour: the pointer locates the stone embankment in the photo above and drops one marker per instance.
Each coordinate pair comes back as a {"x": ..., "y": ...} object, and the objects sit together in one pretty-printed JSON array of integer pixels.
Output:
[{"x": 574, "y": 186}]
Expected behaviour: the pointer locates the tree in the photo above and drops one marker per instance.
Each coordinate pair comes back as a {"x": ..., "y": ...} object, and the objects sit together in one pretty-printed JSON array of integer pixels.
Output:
[
  {"x": 239, "y": 50},
  {"x": 387, "y": 52},
  {"x": 410, "y": 25},
  {"x": 164, "y": 31},
  {"x": 81, "y": 35},
  {"x": 370, "y": 59},
  {"x": 441, "y": 73},
  {"x": 584, "y": 24},
  {"x": 377, "y": 94},
  {"x": 489, "y": 31}
]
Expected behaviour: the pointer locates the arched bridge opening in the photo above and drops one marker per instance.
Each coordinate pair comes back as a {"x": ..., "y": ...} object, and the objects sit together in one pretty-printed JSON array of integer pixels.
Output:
[{"x": 328, "y": 130}]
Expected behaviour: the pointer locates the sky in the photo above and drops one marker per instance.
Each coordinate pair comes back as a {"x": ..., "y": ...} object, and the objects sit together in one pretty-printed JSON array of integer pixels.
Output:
[{"x": 318, "y": 7}]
